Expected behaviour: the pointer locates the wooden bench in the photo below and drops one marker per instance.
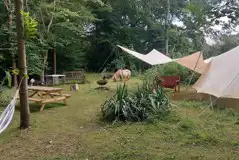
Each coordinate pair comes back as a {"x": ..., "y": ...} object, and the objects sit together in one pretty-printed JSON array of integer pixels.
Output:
[
  {"x": 172, "y": 82},
  {"x": 58, "y": 94},
  {"x": 43, "y": 102},
  {"x": 75, "y": 76}
]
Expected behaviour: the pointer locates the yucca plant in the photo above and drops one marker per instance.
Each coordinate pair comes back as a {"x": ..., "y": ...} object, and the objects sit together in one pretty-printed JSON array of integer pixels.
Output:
[
  {"x": 119, "y": 107},
  {"x": 153, "y": 104},
  {"x": 142, "y": 105}
]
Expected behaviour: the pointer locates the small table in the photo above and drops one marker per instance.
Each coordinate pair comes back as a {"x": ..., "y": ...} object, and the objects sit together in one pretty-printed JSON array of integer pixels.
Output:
[
  {"x": 54, "y": 79},
  {"x": 46, "y": 95}
]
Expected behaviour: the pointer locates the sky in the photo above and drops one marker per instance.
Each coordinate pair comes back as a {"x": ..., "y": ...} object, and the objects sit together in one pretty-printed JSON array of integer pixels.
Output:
[{"x": 209, "y": 40}]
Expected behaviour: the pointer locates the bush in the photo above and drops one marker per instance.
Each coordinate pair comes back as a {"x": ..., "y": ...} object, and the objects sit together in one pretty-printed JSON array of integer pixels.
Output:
[
  {"x": 5, "y": 96},
  {"x": 171, "y": 69},
  {"x": 142, "y": 105}
]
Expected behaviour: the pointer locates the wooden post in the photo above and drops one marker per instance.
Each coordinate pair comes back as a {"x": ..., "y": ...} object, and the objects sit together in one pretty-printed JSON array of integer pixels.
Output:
[
  {"x": 24, "y": 106},
  {"x": 54, "y": 61}
]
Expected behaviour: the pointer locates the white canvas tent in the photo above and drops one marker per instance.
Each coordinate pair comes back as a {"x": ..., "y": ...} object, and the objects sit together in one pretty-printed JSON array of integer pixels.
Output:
[{"x": 221, "y": 77}]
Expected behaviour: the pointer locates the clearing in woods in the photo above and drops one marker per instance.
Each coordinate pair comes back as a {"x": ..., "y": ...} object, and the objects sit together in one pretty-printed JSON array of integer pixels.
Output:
[{"x": 76, "y": 132}]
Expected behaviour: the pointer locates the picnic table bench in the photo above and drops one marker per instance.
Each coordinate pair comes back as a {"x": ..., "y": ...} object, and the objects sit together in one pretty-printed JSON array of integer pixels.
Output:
[{"x": 46, "y": 95}]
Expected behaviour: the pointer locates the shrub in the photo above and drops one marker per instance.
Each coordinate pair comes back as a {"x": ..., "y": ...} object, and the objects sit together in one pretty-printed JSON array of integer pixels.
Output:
[
  {"x": 171, "y": 69},
  {"x": 5, "y": 92},
  {"x": 117, "y": 106},
  {"x": 5, "y": 96},
  {"x": 153, "y": 105},
  {"x": 142, "y": 105}
]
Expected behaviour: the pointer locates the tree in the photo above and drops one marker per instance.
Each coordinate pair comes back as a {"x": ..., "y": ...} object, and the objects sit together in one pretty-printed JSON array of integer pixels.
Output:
[
  {"x": 167, "y": 27},
  {"x": 24, "y": 106}
]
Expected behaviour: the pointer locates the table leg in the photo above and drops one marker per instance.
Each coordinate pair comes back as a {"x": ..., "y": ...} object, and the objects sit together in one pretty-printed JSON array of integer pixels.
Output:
[
  {"x": 35, "y": 92},
  {"x": 60, "y": 92},
  {"x": 42, "y": 107}
]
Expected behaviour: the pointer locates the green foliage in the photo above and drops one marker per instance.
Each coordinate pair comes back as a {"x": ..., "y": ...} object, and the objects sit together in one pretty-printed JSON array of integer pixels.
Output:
[
  {"x": 30, "y": 25},
  {"x": 223, "y": 44},
  {"x": 118, "y": 106},
  {"x": 7, "y": 79},
  {"x": 5, "y": 93},
  {"x": 171, "y": 69},
  {"x": 86, "y": 32},
  {"x": 5, "y": 96},
  {"x": 142, "y": 105}
]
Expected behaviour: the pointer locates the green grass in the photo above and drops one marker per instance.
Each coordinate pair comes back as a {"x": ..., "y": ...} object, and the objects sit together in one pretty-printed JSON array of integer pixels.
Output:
[{"x": 75, "y": 132}]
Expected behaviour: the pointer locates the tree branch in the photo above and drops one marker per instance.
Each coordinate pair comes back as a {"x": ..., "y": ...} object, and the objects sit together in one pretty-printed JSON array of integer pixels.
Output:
[
  {"x": 51, "y": 21},
  {"x": 42, "y": 19},
  {"x": 6, "y": 3}
]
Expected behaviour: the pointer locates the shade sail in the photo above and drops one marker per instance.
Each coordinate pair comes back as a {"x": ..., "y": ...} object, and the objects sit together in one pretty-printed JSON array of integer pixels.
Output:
[
  {"x": 221, "y": 77},
  {"x": 193, "y": 62},
  {"x": 153, "y": 58},
  {"x": 208, "y": 60},
  {"x": 133, "y": 53}
]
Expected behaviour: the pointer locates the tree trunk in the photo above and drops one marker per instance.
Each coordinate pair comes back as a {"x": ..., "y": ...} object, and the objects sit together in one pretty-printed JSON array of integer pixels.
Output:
[
  {"x": 166, "y": 27},
  {"x": 47, "y": 28},
  {"x": 14, "y": 66},
  {"x": 54, "y": 61},
  {"x": 43, "y": 68},
  {"x": 10, "y": 9},
  {"x": 24, "y": 106}
]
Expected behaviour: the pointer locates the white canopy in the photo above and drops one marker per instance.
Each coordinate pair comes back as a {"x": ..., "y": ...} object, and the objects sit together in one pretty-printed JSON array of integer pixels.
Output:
[
  {"x": 133, "y": 53},
  {"x": 221, "y": 78},
  {"x": 194, "y": 61},
  {"x": 153, "y": 58}
]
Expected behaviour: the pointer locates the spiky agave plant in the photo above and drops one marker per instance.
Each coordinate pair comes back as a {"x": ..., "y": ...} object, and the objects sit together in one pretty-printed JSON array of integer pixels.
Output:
[
  {"x": 152, "y": 104},
  {"x": 142, "y": 105},
  {"x": 118, "y": 107}
]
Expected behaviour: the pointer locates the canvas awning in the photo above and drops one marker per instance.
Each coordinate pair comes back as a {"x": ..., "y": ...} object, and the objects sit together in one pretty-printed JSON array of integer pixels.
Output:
[
  {"x": 193, "y": 62},
  {"x": 153, "y": 58},
  {"x": 221, "y": 78}
]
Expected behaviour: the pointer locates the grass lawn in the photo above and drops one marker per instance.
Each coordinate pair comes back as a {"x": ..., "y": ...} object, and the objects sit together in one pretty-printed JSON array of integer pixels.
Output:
[{"x": 76, "y": 132}]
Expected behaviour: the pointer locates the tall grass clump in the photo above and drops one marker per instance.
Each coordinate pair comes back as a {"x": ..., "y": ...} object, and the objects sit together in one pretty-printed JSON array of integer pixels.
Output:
[{"x": 142, "y": 105}]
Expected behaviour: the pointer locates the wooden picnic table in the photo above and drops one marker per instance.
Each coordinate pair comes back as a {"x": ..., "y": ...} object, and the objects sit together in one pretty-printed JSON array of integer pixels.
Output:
[{"x": 45, "y": 95}]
